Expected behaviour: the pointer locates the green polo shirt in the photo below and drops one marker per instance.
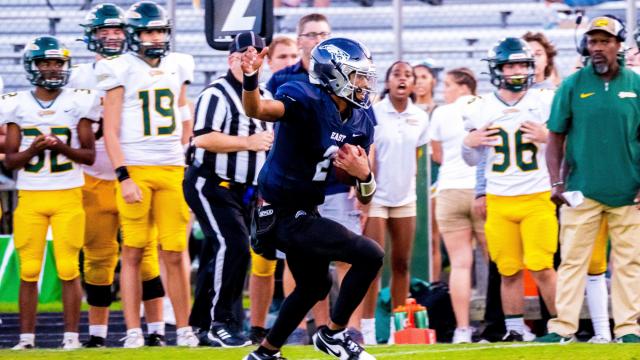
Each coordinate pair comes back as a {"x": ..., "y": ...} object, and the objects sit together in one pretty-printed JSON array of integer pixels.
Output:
[{"x": 602, "y": 124}]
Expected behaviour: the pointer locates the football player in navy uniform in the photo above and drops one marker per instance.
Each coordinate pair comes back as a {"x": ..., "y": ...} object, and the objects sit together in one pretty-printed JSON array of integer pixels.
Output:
[{"x": 320, "y": 125}]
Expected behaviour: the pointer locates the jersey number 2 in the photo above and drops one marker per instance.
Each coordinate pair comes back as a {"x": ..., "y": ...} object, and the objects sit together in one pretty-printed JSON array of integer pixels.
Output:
[
  {"x": 165, "y": 110},
  {"x": 521, "y": 147},
  {"x": 322, "y": 167}
]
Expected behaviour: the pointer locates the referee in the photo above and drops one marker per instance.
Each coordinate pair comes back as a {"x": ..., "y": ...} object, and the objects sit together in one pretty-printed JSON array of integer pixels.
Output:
[{"x": 226, "y": 155}]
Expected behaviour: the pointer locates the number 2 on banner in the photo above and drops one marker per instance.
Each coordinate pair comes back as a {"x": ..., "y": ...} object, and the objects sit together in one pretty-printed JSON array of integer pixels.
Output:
[{"x": 236, "y": 21}]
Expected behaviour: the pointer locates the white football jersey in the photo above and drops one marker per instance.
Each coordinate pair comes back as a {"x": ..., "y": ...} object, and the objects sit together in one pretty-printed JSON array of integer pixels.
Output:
[
  {"x": 150, "y": 125},
  {"x": 83, "y": 76},
  {"x": 50, "y": 170},
  {"x": 515, "y": 165}
]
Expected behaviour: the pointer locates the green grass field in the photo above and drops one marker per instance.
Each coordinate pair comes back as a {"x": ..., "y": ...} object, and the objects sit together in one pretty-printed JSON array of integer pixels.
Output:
[{"x": 411, "y": 352}]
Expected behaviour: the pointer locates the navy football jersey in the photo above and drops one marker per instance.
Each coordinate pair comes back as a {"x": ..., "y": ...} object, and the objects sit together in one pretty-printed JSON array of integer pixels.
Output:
[
  {"x": 297, "y": 72},
  {"x": 306, "y": 139}
]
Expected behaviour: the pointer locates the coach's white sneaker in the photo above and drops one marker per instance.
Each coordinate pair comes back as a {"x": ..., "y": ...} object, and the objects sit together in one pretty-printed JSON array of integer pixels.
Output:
[
  {"x": 187, "y": 338},
  {"x": 527, "y": 335},
  {"x": 462, "y": 336},
  {"x": 71, "y": 344},
  {"x": 133, "y": 340},
  {"x": 23, "y": 345},
  {"x": 599, "y": 339}
]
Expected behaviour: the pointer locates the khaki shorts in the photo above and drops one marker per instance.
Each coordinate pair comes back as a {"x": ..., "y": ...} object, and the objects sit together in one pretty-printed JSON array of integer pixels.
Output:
[
  {"x": 385, "y": 212},
  {"x": 454, "y": 211}
]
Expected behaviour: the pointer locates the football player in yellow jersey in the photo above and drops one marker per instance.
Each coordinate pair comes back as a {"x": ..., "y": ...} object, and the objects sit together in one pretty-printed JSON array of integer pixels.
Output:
[
  {"x": 521, "y": 227},
  {"x": 104, "y": 34},
  {"x": 145, "y": 96},
  {"x": 48, "y": 136}
]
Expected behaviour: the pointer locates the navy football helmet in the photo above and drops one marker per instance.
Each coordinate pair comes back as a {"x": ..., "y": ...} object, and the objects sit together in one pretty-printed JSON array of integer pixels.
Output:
[
  {"x": 510, "y": 50},
  {"x": 345, "y": 68}
]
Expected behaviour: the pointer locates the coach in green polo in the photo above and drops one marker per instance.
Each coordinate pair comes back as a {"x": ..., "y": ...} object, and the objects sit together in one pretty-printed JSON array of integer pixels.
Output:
[{"x": 596, "y": 115}]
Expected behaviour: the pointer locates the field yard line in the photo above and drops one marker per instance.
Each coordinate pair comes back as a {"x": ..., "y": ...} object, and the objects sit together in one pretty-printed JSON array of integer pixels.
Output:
[{"x": 429, "y": 350}]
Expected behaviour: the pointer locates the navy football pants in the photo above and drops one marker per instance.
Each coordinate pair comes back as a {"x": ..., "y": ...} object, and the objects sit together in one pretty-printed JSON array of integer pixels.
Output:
[{"x": 311, "y": 243}]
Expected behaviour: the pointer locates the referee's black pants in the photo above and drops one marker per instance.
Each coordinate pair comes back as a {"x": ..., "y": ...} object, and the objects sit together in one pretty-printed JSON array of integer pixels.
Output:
[
  {"x": 224, "y": 257},
  {"x": 311, "y": 243}
]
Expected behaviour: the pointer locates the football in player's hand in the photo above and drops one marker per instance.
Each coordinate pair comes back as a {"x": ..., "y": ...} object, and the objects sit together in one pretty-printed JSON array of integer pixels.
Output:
[{"x": 342, "y": 175}]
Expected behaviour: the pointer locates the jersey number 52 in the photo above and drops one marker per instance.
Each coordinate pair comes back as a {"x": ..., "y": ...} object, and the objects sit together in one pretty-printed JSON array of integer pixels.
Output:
[{"x": 56, "y": 165}]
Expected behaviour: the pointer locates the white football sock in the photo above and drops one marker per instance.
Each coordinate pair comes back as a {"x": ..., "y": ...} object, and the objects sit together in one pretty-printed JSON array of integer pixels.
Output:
[
  {"x": 98, "y": 330},
  {"x": 368, "y": 328},
  {"x": 28, "y": 338},
  {"x": 515, "y": 324},
  {"x": 73, "y": 336},
  {"x": 156, "y": 328},
  {"x": 598, "y": 300}
]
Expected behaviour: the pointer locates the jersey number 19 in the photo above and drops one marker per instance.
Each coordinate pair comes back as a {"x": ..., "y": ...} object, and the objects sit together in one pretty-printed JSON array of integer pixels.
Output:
[{"x": 163, "y": 108}]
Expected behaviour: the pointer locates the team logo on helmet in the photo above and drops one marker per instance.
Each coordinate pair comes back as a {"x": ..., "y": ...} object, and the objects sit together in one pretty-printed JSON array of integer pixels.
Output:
[
  {"x": 345, "y": 68},
  {"x": 337, "y": 54}
]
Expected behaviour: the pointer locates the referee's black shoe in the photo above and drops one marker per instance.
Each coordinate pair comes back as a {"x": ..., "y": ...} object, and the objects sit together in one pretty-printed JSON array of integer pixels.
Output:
[{"x": 339, "y": 345}]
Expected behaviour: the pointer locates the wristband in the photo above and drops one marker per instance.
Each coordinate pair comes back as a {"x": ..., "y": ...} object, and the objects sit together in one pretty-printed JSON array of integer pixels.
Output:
[
  {"x": 557, "y": 183},
  {"x": 185, "y": 112},
  {"x": 478, "y": 196},
  {"x": 122, "y": 173},
  {"x": 367, "y": 187},
  {"x": 250, "y": 81}
]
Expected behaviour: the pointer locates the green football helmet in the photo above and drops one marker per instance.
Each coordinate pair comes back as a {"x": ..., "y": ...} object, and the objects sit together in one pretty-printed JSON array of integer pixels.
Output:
[
  {"x": 46, "y": 48},
  {"x": 510, "y": 50},
  {"x": 147, "y": 15},
  {"x": 104, "y": 16}
]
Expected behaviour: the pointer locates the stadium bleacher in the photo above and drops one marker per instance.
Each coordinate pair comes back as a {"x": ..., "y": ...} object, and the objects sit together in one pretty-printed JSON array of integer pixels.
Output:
[{"x": 457, "y": 33}]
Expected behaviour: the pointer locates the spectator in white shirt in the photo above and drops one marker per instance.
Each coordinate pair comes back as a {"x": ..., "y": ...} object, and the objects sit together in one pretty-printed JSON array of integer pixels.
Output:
[
  {"x": 402, "y": 128},
  {"x": 457, "y": 221}
]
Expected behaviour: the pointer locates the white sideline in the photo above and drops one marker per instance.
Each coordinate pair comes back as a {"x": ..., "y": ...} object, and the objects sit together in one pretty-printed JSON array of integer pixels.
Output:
[{"x": 456, "y": 349}]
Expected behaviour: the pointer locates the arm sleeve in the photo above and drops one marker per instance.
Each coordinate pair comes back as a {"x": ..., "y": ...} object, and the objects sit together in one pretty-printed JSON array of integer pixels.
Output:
[
  {"x": 210, "y": 112},
  {"x": 107, "y": 75},
  {"x": 561, "y": 114},
  {"x": 481, "y": 180},
  {"x": 472, "y": 156}
]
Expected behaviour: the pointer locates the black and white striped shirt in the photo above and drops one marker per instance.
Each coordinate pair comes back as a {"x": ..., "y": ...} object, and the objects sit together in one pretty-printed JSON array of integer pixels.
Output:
[{"x": 219, "y": 108}]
